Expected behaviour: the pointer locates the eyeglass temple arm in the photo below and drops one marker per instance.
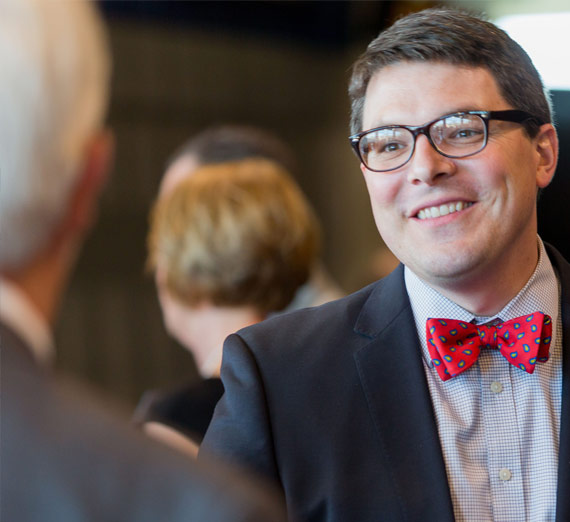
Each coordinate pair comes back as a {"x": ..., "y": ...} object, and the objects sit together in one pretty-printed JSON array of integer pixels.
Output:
[{"x": 515, "y": 116}]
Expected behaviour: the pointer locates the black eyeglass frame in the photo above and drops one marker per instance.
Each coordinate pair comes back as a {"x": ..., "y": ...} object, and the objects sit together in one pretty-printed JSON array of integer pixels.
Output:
[{"x": 512, "y": 115}]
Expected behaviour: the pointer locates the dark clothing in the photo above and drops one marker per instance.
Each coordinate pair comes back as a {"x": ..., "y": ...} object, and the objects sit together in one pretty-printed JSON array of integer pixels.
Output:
[
  {"x": 187, "y": 408},
  {"x": 65, "y": 458},
  {"x": 332, "y": 403}
]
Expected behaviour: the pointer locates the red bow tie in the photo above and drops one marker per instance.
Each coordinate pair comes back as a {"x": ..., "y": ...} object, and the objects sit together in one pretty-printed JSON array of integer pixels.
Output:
[{"x": 454, "y": 345}]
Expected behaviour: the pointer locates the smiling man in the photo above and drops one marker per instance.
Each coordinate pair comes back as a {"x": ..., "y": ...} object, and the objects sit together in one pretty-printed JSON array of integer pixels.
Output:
[{"x": 441, "y": 392}]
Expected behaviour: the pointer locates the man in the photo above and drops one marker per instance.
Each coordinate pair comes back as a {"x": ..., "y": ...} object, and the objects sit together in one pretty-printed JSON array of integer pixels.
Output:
[
  {"x": 64, "y": 457},
  {"x": 349, "y": 407}
]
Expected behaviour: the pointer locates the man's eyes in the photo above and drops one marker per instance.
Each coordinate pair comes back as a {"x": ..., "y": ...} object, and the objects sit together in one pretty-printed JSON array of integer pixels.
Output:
[
  {"x": 387, "y": 147},
  {"x": 391, "y": 147},
  {"x": 464, "y": 134}
]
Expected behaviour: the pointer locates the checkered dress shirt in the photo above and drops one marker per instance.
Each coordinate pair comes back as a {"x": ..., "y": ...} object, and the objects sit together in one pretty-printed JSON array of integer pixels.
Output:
[{"x": 499, "y": 427}]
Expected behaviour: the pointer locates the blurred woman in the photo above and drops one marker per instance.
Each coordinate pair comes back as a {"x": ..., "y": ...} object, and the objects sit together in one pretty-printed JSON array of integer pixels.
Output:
[{"x": 228, "y": 245}]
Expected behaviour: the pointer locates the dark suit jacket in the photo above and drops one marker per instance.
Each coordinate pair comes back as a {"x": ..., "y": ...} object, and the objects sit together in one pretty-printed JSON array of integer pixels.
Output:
[
  {"x": 333, "y": 404},
  {"x": 64, "y": 458}
]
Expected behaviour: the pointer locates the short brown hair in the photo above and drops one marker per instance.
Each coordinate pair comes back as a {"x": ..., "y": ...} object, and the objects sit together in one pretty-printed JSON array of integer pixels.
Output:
[
  {"x": 235, "y": 233},
  {"x": 453, "y": 36},
  {"x": 232, "y": 142}
]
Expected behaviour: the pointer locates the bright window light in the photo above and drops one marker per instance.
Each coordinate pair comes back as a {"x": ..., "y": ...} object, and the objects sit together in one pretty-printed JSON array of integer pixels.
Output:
[{"x": 546, "y": 39}]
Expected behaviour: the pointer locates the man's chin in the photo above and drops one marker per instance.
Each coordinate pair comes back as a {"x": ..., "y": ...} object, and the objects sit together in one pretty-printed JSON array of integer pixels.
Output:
[{"x": 444, "y": 269}]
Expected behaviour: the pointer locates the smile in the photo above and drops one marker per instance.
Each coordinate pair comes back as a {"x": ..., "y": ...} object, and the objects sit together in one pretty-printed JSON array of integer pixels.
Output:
[{"x": 443, "y": 210}]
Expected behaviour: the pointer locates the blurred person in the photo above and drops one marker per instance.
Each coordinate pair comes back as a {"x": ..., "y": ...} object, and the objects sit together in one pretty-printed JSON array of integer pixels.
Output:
[
  {"x": 231, "y": 142},
  {"x": 64, "y": 456},
  {"x": 442, "y": 391},
  {"x": 229, "y": 245}
]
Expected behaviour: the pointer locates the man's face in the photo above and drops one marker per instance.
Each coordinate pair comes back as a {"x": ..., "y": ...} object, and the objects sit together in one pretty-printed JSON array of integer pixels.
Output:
[{"x": 496, "y": 187}]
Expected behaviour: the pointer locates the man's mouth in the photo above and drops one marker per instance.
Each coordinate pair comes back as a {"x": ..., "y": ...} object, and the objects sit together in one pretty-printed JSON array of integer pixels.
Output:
[{"x": 443, "y": 210}]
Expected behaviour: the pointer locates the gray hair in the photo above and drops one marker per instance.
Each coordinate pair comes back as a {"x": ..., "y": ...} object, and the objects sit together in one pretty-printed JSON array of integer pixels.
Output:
[
  {"x": 453, "y": 36},
  {"x": 53, "y": 97}
]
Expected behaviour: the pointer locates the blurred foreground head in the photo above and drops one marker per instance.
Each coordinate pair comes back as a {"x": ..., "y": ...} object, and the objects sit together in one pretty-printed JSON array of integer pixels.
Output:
[{"x": 53, "y": 98}]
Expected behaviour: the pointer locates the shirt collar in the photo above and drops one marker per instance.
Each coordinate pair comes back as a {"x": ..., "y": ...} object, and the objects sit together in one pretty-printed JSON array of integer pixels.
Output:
[
  {"x": 540, "y": 293},
  {"x": 18, "y": 313}
]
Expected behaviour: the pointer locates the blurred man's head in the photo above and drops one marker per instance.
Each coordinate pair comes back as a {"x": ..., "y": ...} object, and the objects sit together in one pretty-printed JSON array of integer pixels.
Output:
[
  {"x": 54, "y": 152},
  {"x": 225, "y": 143},
  {"x": 54, "y": 91}
]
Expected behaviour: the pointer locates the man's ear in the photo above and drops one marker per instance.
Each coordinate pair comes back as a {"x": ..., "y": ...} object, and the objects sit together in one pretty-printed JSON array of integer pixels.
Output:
[
  {"x": 546, "y": 143},
  {"x": 84, "y": 198}
]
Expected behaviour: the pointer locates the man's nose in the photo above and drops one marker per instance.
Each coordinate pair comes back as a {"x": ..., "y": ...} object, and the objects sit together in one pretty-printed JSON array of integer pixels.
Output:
[{"x": 427, "y": 165}]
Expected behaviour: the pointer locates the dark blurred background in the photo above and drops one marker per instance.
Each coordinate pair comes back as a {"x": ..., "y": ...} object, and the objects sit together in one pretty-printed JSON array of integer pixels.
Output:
[{"x": 181, "y": 66}]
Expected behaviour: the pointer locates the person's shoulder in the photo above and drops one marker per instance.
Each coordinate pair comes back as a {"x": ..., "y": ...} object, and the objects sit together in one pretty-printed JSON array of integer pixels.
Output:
[
  {"x": 65, "y": 447},
  {"x": 181, "y": 488}
]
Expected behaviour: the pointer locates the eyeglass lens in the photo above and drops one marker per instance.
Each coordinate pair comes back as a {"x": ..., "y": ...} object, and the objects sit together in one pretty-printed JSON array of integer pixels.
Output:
[{"x": 457, "y": 136}]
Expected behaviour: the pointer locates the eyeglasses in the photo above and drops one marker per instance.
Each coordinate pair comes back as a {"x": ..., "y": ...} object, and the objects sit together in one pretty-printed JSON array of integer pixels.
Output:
[{"x": 456, "y": 135}]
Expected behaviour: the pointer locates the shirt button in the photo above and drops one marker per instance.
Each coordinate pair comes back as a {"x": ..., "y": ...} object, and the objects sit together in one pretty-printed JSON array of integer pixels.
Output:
[
  {"x": 496, "y": 387},
  {"x": 505, "y": 474}
]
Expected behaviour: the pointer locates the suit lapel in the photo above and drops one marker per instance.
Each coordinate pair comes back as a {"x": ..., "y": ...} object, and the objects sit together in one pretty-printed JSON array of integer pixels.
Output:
[
  {"x": 563, "y": 499},
  {"x": 392, "y": 376}
]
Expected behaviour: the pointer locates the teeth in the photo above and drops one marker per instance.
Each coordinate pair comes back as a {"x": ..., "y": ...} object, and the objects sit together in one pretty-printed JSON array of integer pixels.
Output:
[{"x": 442, "y": 210}]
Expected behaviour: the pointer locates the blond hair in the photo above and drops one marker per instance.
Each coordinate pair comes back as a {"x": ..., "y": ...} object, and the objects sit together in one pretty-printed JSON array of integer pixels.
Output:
[{"x": 233, "y": 234}]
